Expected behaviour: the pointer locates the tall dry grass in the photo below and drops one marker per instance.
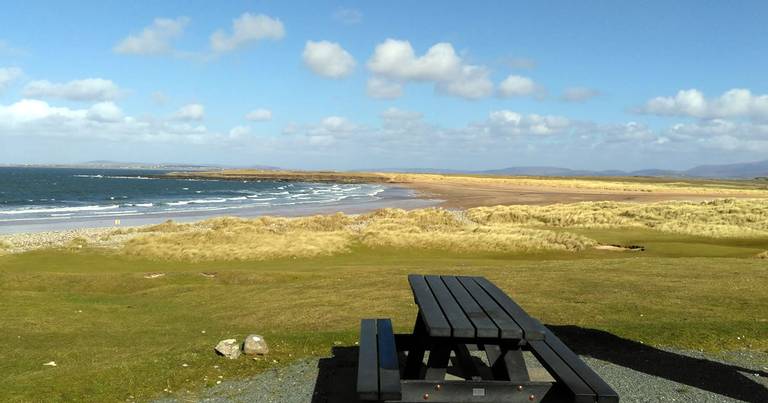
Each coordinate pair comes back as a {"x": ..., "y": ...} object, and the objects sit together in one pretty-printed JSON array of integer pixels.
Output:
[
  {"x": 717, "y": 218},
  {"x": 274, "y": 237},
  {"x": 503, "y": 229}
]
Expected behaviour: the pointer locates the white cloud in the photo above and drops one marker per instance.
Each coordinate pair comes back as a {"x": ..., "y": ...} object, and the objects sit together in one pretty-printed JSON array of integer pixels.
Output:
[
  {"x": 8, "y": 75},
  {"x": 399, "y": 114},
  {"x": 328, "y": 59},
  {"x": 517, "y": 86},
  {"x": 190, "y": 112},
  {"x": 472, "y": 83},
  {"x": 105, "y": 112},
  {"x": 89, "y": 89},
  {"x": 327, "y": 132},
  {"x": 722, "y": 135},
  {"x": 104, "y": 121},
  {"x": 239, "y": 132},
  {"x": 395, "y": 61},
  {"x": 259, "y": 115},
  {"x": 384, "y": 89},
  {"x": 579, "y": 94},
  {"x": 246, "y": 29},
  {"x": 735, "y": 103},
  {"x": 348, "y": 15},
  {"x": 510, "y": 122},
  {"x": 155, "y": 39}
]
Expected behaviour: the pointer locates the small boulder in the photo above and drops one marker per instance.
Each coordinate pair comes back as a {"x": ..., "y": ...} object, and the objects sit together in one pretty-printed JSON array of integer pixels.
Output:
[
  {"x": 255, "y": 345},
  {"x": 228, "y": 348}
]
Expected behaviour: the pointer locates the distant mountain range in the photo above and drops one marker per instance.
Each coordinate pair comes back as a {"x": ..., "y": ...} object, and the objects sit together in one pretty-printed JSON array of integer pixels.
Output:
[{"x": 747, "y": 170}]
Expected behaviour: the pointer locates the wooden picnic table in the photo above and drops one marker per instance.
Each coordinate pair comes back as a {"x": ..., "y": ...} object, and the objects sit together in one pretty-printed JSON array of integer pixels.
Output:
[{"x": 458, "y": 317}]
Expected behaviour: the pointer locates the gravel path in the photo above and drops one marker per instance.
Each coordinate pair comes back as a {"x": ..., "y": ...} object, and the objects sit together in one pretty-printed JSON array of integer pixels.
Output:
[{"x": 332, "y": 380}]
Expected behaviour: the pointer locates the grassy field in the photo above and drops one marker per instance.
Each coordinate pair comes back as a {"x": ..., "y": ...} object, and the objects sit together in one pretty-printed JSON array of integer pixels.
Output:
[
  {"x": 119, "y": 336},
  {"x": 304, "y": 283}
]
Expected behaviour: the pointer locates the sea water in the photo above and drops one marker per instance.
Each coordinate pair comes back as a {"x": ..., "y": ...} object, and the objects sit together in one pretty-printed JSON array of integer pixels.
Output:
[{"x": 40, "y": 194}]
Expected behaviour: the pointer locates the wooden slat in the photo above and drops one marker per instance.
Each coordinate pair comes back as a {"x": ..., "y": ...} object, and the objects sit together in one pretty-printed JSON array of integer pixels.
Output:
[
  {"x": 532, "y": 330},
  {"x": 367, "y": 363},
  {"x": 509, "y": 329},
  {"x": 436, "y": 323},
  {"x": 484, "y": 326},
  {"x": 581, "y": 392},
  {"x": 605, "y": 394},
  {"x": 389, "y": 369},
  {"x": 460, "y": 324}
]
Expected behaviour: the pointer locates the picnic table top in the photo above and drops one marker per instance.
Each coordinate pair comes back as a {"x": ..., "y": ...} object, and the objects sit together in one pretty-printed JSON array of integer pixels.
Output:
[{"x": 471, "y": 307}]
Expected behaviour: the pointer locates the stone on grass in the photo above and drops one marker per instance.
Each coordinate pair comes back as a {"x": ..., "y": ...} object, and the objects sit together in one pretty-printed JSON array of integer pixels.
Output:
[
  {"x": 255, "y": 345},
  {"x": 228, "y": 348}
]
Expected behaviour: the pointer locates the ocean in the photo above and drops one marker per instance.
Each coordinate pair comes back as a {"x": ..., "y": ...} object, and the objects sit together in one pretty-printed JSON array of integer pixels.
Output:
[{"x": 49, "y": 195}]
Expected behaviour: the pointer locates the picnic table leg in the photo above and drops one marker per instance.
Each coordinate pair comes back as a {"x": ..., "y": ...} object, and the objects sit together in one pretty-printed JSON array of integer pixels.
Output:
[
  {"x": 437, "y": 364},
  {"x": 415, "y": 360},
  {"x": 471, "y": 367},
  {"x": 507, "y": 364}
]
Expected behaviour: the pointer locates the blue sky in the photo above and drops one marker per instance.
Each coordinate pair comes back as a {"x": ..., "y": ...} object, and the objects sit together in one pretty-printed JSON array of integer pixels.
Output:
[{"x": 473, "y": 85}]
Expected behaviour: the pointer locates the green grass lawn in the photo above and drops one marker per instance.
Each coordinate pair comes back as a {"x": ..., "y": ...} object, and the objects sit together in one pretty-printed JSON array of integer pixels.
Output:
[{"x": 118, "y": 336}]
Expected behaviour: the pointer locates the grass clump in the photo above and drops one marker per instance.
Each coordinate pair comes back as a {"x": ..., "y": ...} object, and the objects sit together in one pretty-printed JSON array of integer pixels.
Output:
[
  {"x": 721, "y": 218},
  {"x": 230, "y": 238},
  {"x": 500, "y": 229},
  {"x": 264, "y": 238}
]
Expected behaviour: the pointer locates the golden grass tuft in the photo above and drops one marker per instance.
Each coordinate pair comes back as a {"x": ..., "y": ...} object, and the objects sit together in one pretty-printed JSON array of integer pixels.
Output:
[
  {"x": 722, "y": 218},
  {"x": 263, "y": 238},
  {"x": 500, "y": 229}
]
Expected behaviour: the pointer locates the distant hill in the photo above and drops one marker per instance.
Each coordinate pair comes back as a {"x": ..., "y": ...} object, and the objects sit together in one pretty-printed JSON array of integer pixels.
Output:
[
  {"x": 743, "y": 170},
  {"x": 747, "y": 170}
]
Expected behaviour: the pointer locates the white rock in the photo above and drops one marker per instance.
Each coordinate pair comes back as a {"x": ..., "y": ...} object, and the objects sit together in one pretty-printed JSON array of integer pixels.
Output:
[
  {"x": 228, "y": 348},
  {"x": 255, "y": 345},
  {"x": 50, "y": 363}
]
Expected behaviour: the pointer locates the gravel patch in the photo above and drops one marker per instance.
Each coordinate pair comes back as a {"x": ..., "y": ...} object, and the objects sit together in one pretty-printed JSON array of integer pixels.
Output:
[
  {"x": 332, "y": 380},
  {"x": 74, "y": 238}
]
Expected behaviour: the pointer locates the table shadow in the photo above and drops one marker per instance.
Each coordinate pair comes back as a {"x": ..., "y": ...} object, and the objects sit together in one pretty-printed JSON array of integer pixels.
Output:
[
  {"x": 337, "y": 377},
  {"x": 724, "y": 379}
]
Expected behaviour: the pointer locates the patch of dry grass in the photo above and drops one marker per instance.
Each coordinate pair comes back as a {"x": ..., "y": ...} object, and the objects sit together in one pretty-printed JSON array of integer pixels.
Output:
[
  {"x": 502, "y": 229},
  {"x": 721, "y": 218},
  {"x": 274, "y": 237}
]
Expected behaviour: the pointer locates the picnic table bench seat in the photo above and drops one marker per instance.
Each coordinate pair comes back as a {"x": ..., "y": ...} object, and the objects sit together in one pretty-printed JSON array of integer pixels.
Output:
[
  {"x": 458, "y": 314},
  {"x": 378, "y": 375}
]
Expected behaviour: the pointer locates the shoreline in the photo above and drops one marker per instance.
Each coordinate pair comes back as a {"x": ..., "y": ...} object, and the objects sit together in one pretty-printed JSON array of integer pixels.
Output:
[
  {"x": 467, "y": 191},
  {"x": 392, "y": 197}
]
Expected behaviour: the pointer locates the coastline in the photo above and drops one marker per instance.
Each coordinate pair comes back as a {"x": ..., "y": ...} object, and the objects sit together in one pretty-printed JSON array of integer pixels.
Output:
[
  {"x": 467, "y": 191},
  {"x": 392, "y": 197}
]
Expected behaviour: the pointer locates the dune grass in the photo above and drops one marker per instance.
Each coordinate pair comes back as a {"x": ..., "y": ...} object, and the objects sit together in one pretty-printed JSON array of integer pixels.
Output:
[
  {"x": 499, "y": 229},
  {"x": 116, "y": 335}
]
